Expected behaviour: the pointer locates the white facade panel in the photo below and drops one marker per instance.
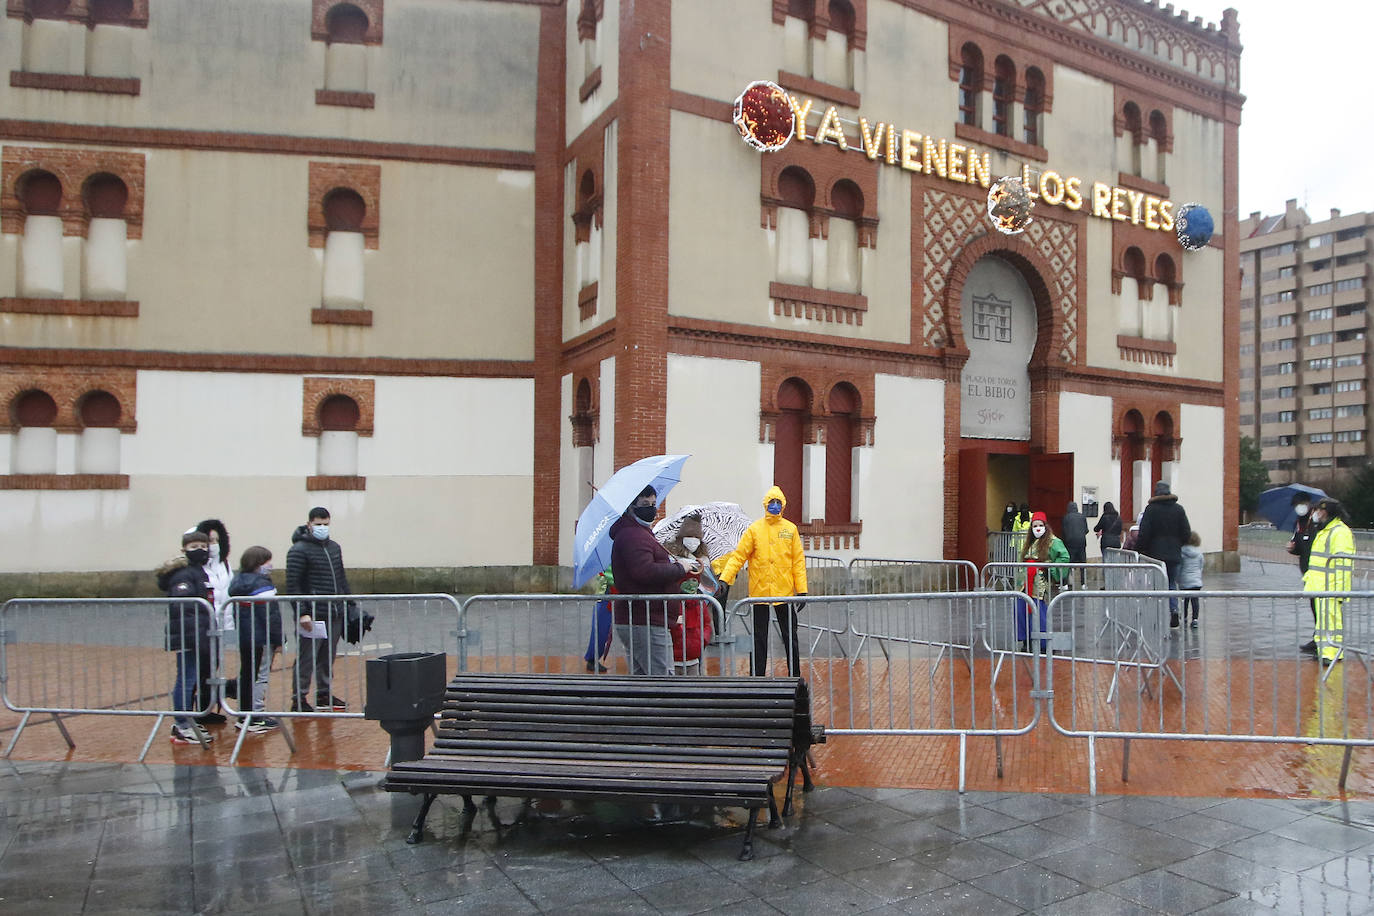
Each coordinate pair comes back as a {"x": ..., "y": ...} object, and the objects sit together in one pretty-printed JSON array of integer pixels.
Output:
[{"x": 1088, "y": 437}]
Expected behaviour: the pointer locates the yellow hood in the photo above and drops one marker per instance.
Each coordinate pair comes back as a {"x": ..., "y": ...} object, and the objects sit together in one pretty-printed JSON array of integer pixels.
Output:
[{"x": 774, "y": 492}]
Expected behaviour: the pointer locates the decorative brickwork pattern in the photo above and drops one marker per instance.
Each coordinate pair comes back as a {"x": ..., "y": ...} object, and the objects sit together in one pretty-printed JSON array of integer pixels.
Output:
[
  {"x": 319, "y": 15},
  {"x": 80, "y": 11},
  {"x": 817, "y": 304},
  {"x": 317, "y": 389},
  {"x": 356, "y": 317},
  {"x": 73, "y": 168},
  {"x": 345, "y": 99},
  {"x": 366, "y": 180},
  {"x": 826, "y": 170},
  {"x": 67, "y": 385},
  {"x": 953, "y": 223},
  {"x": 1187, "y": 45}
]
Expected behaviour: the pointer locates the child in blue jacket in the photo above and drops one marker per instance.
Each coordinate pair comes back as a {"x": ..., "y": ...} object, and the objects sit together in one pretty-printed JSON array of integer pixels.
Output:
[{"x": 259, "y": 629}]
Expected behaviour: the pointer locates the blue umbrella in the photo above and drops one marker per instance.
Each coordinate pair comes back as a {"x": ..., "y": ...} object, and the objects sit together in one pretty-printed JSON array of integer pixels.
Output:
[
  {"x": 592, "y": 544},
  {"x": 1276, "y": 504}
]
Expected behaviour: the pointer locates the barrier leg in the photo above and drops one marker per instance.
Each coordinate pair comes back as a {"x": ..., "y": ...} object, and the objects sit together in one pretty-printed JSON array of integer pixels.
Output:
[
  {"x": 1126, "y": 760},
  {"x": 997, "y": 740},
  {"x": 1092, "y": 766},
  {"x": 1345, "y": 766},
  {"x": 24, "y": 720},
  {"x": 238, "y": 743},
  {"x": 66, "y": 736},
  {"x": 157, "y": 726},
  {"x": 963, "y": 758}
]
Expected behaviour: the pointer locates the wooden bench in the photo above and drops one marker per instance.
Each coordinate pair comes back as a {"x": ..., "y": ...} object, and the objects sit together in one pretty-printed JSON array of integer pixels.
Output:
[{"x": 715, "y": 741}]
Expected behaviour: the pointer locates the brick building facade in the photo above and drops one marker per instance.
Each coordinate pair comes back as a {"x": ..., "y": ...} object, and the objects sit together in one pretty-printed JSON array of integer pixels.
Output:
[{"x": 444, "y": 266}]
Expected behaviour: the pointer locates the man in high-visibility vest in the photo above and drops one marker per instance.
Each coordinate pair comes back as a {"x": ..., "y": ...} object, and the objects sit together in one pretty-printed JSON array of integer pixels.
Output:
[{"x": 1329, "y": 569}]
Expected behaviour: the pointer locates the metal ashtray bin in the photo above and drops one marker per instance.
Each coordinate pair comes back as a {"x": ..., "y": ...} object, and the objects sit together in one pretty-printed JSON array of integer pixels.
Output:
[{"x": 404, "y": 691}]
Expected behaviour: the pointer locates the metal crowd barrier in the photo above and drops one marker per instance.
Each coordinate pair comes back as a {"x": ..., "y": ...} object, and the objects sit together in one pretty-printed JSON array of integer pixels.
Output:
[
  {"x": 1238, "y": 677},
  {"x": 898, "y": 682},
  {"x": 258, "y": 683},
  {"x": 1011, "y": 575},
  {"x": 105, "y": 656},
  {"x": 826, "y": 575},
  {"x": 546, "y": 634},
  {"x": 876, "y": 576}
]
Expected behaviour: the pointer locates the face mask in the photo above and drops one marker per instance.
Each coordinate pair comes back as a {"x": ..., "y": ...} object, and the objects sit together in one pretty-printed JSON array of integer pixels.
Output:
[
  {"x": 265, "y": 569},
  {"x": 1301, "y": 509},
  {"x": 774, "y": 507},
  {"x": 214, "y": 551},
  {"x": 1319, "y": 518},
  {"x": 1038, "y": 530},
  {"x": 645, "y": 514},
  {"x": 320, "y": 532},
  {"x": 691, "y": 544},
  {"x": 197, "y": 556}
]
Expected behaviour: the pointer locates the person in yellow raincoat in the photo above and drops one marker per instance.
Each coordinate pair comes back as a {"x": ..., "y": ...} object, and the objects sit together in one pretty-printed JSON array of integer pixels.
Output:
[
  {"x": 1329, "y": 570},
  {"x": 772, "y": 547}
]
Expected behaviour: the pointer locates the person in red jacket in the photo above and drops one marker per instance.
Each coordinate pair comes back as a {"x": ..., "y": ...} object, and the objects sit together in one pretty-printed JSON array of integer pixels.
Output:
[{"x": 641, "y": 566}]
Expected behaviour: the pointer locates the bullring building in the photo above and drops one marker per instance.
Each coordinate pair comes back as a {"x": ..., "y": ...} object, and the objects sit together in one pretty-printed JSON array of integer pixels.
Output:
[{"x": 443, "y": 265}]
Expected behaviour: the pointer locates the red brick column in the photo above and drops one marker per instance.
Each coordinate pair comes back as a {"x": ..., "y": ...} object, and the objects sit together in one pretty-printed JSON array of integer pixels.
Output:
[
  {"x": 641, "y": 280},
  {"x": 548, "y": 285}
]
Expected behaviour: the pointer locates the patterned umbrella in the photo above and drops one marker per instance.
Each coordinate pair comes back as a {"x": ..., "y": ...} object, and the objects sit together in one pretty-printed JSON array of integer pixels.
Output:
[{"x": 722, "y": 525}]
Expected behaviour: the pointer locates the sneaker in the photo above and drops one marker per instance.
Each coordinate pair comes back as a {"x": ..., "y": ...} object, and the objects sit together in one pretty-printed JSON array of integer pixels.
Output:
[
  {"x": 1310, "y": 647},
  {"x": 1193, "y": 625},
  {"x": 190, "y": 734},
  {"x": 331, "y": 703},
  {"x": 257, "y": 725},
  {"x": 1173, "y": 621},
  {"x": 299, "y": 705},
  {"x": 211, "y": 718}
]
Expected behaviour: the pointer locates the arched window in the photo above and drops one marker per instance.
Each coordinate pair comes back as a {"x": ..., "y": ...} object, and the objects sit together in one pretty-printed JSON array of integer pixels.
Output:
[
  {"x": 34, "y": 446},
  {"x": 1135, "y": 133},
  {"x": 105, "y": 260},
  {"x": 1162, "y": 449},
  {"x": 797, "y": 196},
  {"x": 97, "y": 450},
  {"x": 338, "y": 447},
  {"x": 586, "y": 219},
  {"x": 344, "y": 245},
  {"x": 345, "y": 23},
  {"x": 789, "y": 441},
  {"x": 40, "y": 259},
  {"x": 345, "y": 57},
  {"x": 1133, "y": 266},
  {"x": 837, "y": 66},
  {"x": 339, "y": 413},
  {"x": 1132, "y": 451},
  {"x": 1159, "y": 134},
  {"x": 840, "y": 439},
  {"x": 1034, "y": 106},
  {"x": 1166, "y": 272},
  {"x": 844, "y": 265},
  {"x": 1003, "y": 95},
  {"x": 970, "y": 84},
  {"x": 584, "y": 441}
]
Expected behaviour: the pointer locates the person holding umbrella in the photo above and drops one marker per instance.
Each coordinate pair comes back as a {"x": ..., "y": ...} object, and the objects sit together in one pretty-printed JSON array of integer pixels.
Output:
[
  {"x": 641, "y": 566},
  {"x": 1300, "y": 546}
]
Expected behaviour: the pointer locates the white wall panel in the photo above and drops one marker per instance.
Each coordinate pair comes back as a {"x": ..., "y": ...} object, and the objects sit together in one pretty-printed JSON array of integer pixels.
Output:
[{"x": 1085, "y": 429}]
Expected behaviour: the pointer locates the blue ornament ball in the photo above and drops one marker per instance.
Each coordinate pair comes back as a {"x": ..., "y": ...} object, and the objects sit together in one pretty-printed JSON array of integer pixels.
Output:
[{"x": 1194, "y": 227}]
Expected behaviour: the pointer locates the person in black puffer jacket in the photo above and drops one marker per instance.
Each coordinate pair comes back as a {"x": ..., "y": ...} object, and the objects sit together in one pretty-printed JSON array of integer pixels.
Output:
[
  {"x": 1073, "y": 531},
  {"x": 314, "y": 566},
  {"x": 188, "y": 630},
  {"x": 1164, "y": 529},
  {"x": 258, "y": 624}
]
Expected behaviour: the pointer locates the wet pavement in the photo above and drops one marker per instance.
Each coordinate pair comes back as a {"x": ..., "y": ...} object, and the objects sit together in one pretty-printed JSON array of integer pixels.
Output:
[
  {"x": 101, "y": 838},
  {"x": 1199, "y": 827}
]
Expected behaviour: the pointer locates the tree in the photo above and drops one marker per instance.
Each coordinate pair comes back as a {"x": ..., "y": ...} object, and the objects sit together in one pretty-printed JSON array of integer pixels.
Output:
[
  {"x": 1254, "y": 476},
  {"x": 1357, "y": 495}
]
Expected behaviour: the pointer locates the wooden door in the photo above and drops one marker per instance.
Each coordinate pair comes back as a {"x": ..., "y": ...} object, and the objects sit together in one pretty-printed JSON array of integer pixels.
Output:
[
  {"x": 1051, "y": 486},
  {"x": 973, "y": 505}
]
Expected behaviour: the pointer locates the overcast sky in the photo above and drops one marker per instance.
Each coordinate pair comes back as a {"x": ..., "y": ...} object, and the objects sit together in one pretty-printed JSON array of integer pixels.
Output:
[{"x": 1305, "y": 121}]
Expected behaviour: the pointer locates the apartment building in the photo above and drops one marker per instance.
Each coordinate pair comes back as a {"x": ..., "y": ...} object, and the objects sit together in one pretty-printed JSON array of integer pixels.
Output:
[{"x": 1304, "y": 370}]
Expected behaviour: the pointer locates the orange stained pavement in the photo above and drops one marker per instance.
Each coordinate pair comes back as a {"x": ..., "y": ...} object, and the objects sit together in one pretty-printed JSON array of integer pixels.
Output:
[{"x": 912, "y": 694}]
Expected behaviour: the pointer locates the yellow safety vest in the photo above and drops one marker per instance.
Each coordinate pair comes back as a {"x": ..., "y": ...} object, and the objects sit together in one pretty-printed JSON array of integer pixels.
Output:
[{"x": 1333, "y": 559}]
